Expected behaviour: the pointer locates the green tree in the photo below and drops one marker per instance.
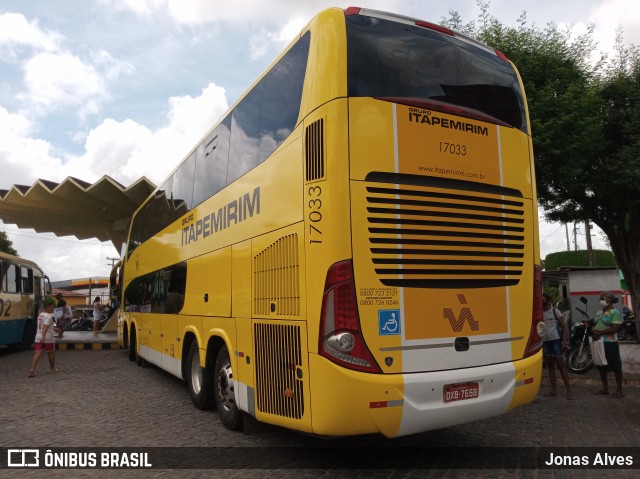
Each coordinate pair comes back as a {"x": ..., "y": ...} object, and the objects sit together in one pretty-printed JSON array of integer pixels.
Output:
[
  {"x": 615, "y": 203},
  {"x": 6, "y": 245},
  {"x": 555, "y": 261},
  {"x": 585, "y": 122}
]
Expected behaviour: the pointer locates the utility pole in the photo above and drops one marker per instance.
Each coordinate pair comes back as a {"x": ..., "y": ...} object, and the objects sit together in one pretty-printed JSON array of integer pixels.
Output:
[
  {"x": 111, "y": 286},
  {"x": 590, "y": 256},
  {"x": 566, "y": 230}
]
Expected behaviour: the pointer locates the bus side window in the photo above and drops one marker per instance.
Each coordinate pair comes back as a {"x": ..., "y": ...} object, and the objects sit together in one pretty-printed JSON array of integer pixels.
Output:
[
  {"x": 268, "y": 114},
  {"x": 211, "y": 163},
  {"x": 182, "y": 191},
  {"x": 26, "y": 280},
  {"x": 157, "y": 213},
  {"x": 3, "y": 277},
  {"x": 12, "y": 278}
]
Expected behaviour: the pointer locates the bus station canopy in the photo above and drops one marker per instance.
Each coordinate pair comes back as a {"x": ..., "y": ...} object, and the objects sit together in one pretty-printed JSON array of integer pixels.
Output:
[
  {"x": 99, "y": 282},
  {"x": 74, "y": 207}
]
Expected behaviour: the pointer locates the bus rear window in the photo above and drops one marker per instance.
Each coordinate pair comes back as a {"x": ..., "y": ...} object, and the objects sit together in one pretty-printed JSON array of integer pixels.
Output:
[{"x": 397, "y": 61}]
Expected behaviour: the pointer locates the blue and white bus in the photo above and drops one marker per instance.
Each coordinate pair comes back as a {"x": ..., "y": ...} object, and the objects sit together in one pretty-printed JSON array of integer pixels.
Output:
[{"x": 22, "y": 287}]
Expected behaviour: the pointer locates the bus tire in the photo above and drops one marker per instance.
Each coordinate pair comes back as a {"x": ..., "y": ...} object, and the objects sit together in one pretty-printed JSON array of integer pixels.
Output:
[
  {"x": 133, "y": 348},
  {"x": 140, "y": 361},
  {"x": 28, "y": 335},
  {"x": 228, "y": 411},
  {"x": 135, "y": 354},
  {"x": 125, "y": 337},
  {"x": 199, "y": 380}
]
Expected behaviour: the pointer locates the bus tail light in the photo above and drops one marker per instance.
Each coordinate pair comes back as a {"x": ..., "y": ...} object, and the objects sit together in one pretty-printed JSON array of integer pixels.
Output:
[
  {"x": 435, "y": 27},
  {"x": 352, "y": 11},
  {"x": 341, "y": 339},
  {"x": 502, "y": 56},
  {"x": 538, "y": 328}
]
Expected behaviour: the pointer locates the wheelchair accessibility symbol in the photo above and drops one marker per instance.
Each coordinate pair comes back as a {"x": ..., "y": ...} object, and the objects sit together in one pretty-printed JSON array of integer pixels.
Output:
[{"x": 389, "y": 322}]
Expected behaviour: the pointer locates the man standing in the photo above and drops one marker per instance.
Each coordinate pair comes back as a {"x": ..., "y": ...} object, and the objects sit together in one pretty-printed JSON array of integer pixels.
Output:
[{"x": 60, "y": 314}]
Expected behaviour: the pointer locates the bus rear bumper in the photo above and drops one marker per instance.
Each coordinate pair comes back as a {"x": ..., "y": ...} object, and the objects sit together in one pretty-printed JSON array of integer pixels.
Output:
[{"x": 347, "y": 402}]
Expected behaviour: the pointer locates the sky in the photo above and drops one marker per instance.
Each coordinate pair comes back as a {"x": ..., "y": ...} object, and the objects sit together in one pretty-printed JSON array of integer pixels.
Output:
[{"x": 126, "y": 88}]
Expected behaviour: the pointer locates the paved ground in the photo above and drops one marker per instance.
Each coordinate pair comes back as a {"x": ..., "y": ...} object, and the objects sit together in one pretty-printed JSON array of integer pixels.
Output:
[{"x": 100, "y": 399}]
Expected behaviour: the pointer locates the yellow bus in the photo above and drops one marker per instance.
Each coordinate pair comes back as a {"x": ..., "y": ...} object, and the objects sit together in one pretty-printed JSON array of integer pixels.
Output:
[
  {"x": 22, "y": 287},
  {"x": 353, "y": 247}
]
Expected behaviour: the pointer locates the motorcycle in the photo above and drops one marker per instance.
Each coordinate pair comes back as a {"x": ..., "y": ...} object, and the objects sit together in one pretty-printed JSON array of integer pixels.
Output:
[
  {"x": 579, "y": 358},
  {"x": 83, "y": 323},
  {"x": 627, "y": 330}
]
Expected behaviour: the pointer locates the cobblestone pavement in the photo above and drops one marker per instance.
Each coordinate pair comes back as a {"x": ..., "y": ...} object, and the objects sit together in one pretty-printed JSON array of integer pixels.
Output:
[{"x": 100, "y": 399}]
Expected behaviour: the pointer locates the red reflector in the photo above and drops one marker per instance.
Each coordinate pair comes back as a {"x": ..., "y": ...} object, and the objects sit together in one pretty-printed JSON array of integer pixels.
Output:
[
  {"x": 433, "y": 26},
  {"x": 502, "y": 56},
  {"x": 377, "y": 404},
  {"x": 528, "y": 381},
  {"x": 352, "y": 11}
]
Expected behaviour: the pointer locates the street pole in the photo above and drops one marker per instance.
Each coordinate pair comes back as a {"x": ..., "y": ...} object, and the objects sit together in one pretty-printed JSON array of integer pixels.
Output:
[
  {"x": 113, "y": 261},
  {"x": 111, "y": 286}
]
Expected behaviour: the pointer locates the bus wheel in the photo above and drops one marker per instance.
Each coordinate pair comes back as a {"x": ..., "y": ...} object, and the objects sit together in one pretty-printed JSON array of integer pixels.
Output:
[
  {"x": 28, "y": 334},
  {"x": 199, "y": 379},
  {"x": 133, "y": 350},
  {"x": 230, "y": 415},
  {"x": 139, "y": 360},
  {"x": 125, "y": 337}
]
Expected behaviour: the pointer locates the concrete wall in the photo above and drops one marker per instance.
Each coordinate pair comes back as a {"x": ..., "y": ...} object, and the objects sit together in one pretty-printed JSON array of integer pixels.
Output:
[
  {"x": 630, "y": 354},
  {"x": 590, "y": 284},
  {"x": 594, "y": 280}
]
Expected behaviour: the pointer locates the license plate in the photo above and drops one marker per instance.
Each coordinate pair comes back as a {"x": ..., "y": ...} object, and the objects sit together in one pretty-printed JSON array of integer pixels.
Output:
[{"x": 460, "y": 392}]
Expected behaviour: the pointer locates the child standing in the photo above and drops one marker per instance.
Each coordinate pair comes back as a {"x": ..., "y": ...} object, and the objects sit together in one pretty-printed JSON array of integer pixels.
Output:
[{"x": 45, "y": 337}]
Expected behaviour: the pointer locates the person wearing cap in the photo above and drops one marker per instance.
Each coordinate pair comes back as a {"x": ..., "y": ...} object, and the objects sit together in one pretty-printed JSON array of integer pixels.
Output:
[
  {"x": 61, "y": 307},
  {"x": 45, "y": 339}
]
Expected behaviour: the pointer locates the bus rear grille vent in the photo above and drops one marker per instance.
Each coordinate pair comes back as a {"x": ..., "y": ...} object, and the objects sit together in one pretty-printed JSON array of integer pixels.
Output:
[
  {"x": 427, "y": 232},
  {"x": 314, "y": 147},
  {"x": 278, "y": 361},
  {"x": 277, "y": 278}
]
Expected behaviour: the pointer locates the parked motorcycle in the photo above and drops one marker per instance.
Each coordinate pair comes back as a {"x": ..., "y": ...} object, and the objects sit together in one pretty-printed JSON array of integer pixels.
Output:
[
  {"x": 627, "y": 330},
  {"x": 579, "y": 358},
  {"x": 83, "y": 323}
]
